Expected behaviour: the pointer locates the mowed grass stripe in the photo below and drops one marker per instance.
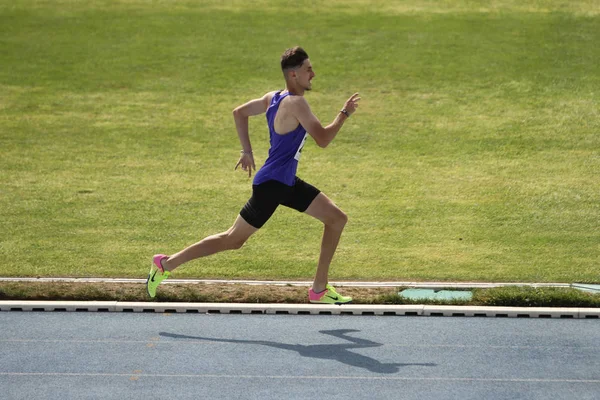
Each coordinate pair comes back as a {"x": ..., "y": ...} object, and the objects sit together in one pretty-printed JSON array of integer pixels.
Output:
[{"x": 474, "y": 155}]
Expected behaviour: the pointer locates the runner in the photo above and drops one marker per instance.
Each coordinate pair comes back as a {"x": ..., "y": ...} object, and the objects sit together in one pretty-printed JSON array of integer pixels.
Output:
[{"x": 290, "y": 121}]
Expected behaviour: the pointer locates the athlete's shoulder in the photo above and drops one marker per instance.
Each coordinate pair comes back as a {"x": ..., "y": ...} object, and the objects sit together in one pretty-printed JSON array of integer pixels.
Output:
[
  {"x": 297, "y": 101},
  {"x": 269, "y": 96}
]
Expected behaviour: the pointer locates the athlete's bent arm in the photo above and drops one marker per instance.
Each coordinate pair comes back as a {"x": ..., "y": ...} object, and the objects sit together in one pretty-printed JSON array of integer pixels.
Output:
[
  {"x": 323, "y": 135},
  {"x": 241, "y": 115}
]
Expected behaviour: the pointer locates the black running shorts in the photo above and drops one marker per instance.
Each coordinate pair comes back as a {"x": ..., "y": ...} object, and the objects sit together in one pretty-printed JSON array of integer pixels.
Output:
[{"x": 267, "y": 196}]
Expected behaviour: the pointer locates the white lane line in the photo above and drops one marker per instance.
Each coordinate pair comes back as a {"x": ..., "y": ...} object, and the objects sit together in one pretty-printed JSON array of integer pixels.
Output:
[
  {"x": 197, "y": 342},
  {"x": 307, "y": 377},
  {"x": 103, "y": 341}
]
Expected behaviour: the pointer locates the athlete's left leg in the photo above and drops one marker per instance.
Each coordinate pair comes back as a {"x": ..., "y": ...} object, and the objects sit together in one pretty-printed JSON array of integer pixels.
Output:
[{"x": 334, "y": 219}]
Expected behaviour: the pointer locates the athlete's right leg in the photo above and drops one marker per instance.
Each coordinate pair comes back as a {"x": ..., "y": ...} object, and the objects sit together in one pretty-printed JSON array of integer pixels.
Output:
[
  {"x": 231, "y": 239},
  {"x": 308, "y": 199},
  {"x": 334, "y": 221}
]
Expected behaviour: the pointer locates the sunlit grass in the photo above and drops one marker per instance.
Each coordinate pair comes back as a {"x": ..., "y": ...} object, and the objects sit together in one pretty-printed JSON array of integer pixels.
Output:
[{"x": 474, "y": 155}]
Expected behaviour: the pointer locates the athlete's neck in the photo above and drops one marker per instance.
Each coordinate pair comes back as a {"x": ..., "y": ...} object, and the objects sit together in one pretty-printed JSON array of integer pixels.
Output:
[{"x": 294, "y": 90}]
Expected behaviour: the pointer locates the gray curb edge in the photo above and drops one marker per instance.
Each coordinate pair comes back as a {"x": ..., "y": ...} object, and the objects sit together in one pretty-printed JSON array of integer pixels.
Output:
[{"x": 301, "y": 309}]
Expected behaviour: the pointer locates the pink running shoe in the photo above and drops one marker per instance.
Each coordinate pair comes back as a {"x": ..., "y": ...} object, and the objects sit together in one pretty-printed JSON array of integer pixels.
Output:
[{"x": 328, "y": 296}]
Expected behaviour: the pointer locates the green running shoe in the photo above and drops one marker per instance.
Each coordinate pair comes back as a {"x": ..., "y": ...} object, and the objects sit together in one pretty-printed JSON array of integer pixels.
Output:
[
  {"x": 328, "y": 296},
  {"x": 157, "y": 274}
]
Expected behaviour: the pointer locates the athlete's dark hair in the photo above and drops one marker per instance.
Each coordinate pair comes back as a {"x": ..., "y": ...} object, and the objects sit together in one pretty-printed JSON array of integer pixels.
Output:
[{"x": 293, "y": 58}]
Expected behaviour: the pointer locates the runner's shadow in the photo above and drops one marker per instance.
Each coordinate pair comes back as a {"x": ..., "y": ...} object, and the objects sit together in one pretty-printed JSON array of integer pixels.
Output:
[{"x": 336, "y": 352}]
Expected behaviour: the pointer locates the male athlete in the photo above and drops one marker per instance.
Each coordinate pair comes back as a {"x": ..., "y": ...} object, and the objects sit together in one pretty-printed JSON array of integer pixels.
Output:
[{"x": 290, "y": 121}]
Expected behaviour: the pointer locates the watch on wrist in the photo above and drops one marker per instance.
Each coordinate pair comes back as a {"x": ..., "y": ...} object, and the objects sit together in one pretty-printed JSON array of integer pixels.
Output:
[{"x": 343, "y": 111}]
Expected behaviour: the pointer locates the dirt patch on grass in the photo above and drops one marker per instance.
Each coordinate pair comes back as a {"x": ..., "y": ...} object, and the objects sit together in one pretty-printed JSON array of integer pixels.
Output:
[
  {"x": 203, "y": 293},
  {"x": 262, "y": 294}
]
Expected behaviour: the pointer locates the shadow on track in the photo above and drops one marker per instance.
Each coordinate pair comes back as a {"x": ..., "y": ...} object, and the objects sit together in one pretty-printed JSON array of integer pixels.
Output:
[{"x": 337, "y": 352}]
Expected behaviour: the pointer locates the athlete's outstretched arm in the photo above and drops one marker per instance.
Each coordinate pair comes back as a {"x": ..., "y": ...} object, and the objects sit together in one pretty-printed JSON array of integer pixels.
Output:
[
  {"x": 322, "y": 135},
  {"x": 241, "y": 115}
]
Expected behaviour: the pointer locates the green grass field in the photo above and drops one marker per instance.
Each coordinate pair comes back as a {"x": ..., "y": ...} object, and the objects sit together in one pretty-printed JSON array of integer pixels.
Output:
[{"x": 475, "y": 154}]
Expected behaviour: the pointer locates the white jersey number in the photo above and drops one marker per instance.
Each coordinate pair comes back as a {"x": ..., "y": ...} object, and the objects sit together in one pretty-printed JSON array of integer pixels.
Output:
[{"x": 299, "y": 152}]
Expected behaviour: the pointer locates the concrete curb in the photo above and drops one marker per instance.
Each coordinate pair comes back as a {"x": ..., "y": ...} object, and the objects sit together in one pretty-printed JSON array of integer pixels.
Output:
[{"x": 301, "y": 309}]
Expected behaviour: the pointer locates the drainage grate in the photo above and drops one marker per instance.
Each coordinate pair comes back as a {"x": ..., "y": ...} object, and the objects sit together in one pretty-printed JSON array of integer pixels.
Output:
[{"x": 431, "y": 294}]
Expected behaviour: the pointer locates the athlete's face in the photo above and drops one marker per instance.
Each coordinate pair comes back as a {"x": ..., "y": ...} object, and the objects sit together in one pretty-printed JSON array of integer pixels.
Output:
[{"x": 304, "y": 75}]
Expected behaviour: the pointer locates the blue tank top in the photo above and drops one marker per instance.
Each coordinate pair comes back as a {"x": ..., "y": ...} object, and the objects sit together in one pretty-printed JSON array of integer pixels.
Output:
[{"x": 285, "y": 150}]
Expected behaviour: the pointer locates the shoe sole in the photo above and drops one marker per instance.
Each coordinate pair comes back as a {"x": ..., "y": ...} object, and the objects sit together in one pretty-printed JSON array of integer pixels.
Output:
[
  {"x": 148, "y": 282},
  {"x": 333, "y": 304},
  {"x": 154, "y": 264},
  {"x": 147, "y": 288}
]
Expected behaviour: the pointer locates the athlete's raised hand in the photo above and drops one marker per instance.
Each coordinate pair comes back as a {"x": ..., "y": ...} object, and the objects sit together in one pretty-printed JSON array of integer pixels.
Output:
[
  {"x": 247, "y": 162},
  {"x": 352, "y": 103}
]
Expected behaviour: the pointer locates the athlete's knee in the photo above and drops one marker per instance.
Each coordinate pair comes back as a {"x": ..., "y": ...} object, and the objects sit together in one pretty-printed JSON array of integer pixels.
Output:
[
  {"x": 337, "y": 219},
  {"x": 343, "y": 218},
  {"x": 237, "y": 244},
  {"x": 233, "y": 242}
]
